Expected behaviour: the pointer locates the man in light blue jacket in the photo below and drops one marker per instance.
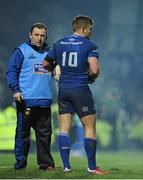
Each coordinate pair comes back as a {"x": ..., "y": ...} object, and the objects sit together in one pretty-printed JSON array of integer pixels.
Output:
[{"x": 32, "y": 92}]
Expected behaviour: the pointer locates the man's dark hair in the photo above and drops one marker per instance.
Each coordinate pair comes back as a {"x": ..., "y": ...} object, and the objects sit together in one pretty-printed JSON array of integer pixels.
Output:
[
  {"x": 39, "y": 26},
  {"x": 81, "y": 21}
]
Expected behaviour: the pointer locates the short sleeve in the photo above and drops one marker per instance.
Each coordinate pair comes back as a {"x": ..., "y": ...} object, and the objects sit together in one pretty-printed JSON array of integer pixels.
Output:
[
  {"x": 52, "y": 54},
  {"x": 93, "y": 51}
]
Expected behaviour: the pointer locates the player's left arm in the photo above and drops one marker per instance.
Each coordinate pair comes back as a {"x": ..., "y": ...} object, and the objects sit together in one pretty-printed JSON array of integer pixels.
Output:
[
  {"x": 93, "y": 61},
  {"x": 94, "y": 67}
]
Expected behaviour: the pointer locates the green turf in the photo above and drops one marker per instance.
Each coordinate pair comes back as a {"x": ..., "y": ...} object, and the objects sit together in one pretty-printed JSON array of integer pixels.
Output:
[{"x": 121, "y": 165}]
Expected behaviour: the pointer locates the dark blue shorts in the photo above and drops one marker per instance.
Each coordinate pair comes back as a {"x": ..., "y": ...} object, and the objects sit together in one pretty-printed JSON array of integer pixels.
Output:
[{"x": 77, "y": 100}]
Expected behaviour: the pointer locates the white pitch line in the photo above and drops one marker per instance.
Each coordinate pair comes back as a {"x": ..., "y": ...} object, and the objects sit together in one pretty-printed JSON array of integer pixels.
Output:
[{"x": 4, "y": 167}]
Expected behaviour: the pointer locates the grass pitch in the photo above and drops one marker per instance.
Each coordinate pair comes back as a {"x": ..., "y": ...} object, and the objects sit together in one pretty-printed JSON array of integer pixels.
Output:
[{"x": 121, "y": 165}]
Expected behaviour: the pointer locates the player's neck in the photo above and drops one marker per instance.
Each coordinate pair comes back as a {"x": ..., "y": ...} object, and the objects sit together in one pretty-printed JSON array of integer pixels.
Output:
[{"x": 79, "y": 34}]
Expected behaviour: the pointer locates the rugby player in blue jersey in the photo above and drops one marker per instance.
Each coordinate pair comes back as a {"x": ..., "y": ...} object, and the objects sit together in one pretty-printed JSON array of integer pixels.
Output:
[{"x": 77, "y": 57}]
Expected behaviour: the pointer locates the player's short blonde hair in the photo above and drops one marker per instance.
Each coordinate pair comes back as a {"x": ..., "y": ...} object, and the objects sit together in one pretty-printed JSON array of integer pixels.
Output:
[{"x": 81, "y": 21}]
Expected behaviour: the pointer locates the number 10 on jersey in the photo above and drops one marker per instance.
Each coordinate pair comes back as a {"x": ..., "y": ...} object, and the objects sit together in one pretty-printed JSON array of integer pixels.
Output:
[{"x": 71, "y": 58}]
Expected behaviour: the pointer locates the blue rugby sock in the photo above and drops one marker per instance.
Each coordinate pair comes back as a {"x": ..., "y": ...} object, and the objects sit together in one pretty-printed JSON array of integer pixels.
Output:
[
  {"x": 64, "y": 147},
  {"x": 90, "y": 149}
]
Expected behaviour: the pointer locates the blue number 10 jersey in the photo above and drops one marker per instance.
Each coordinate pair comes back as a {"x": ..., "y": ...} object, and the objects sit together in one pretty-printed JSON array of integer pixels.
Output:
[{"x": 72, "y": 53}]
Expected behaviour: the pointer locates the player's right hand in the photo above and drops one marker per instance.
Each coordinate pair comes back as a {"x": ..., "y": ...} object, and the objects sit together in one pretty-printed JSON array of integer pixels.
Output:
[
  {"x": 18, "y": 97},
  {"x": 45, "y": 64},
  {"x": 49, "y": 65}
]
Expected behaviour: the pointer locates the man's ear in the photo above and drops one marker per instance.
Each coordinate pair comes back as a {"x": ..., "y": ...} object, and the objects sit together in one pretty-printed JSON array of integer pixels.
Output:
[{"x": 84, "y": 30}]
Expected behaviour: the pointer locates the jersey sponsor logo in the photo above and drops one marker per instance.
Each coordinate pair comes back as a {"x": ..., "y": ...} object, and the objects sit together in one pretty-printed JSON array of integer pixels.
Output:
[
  {"x": 38, "y": 69},
  {"x": 71, "y": 42},
  {"x": 31, "y": 56}
]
